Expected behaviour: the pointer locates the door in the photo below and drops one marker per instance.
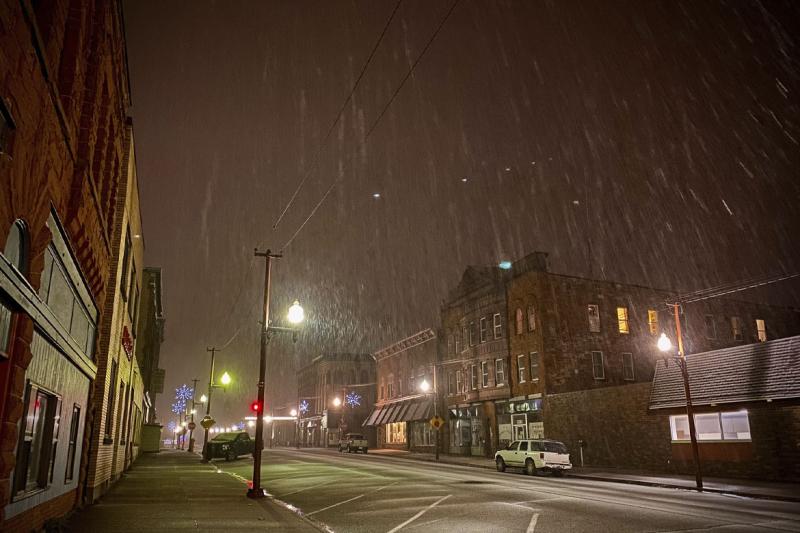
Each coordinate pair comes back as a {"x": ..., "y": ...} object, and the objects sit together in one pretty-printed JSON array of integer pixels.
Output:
[
  {"x": 522, "y": 453},
  {"x": 519, "y": 426}
]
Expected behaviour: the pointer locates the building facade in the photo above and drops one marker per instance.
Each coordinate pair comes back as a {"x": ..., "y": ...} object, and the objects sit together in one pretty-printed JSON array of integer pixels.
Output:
[
  {"x": 406, "y": 389},
  {"x": 474, "y": 363},
  {"x": 336, "y": 392},
  {"x": 150, "y": 335},
  {"x": 63, "y": 101},
  {"x": 118, "y": 392}
]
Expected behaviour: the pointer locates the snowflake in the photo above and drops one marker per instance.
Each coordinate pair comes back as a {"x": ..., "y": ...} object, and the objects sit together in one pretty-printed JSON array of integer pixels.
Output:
[
  {"x": 171, "y": 426},
  {"x": 352, "y": 399},
  {"x": 179, "y": 407},
  {"x": 304, "y": 407},
  {"x": 184, "y": 393}
]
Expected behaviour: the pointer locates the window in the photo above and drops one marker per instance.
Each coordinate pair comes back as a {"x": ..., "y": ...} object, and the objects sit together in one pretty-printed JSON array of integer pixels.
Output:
[
  {"x": 531, "y": 318},
  {"x": 123, "y": 282},
  {"x": 450, "y": 344},
  {"x": 457, "y": 342},
  {"x": 711, "y": 327},
  {"x": 472, "y": 333},
  {"x": 54, "y": 441},
  {"x": 451, "y": 383},
  {"x": 519, "y": 320},
  {"x": 35, "y": 448},
  {"x": 73, "y": 442},
  {"x": 464, "y": 338},
  {"x": 627, "y": 366},
  {"x": 411, "y": 382},
  {"x": 499, "y": 372},
  {"x": 598, "y": 368},
  {"x": 594, "y": 318},
  {"x": 5, "y": 329},
  {"x": 112, "y": 387},
  {"x": 520, "y": 369},
  {"x": 652, "y": 321},
  {"x": 523, "y": 446},
  {"x": 484, "y": 328},
  {"x": 736, "y": 328},
  {"x": 16, "y": 246},
  {"x": 390, "y": 386},
  {"x": 534, "y": 361},
  {"x": 459, "y": 382},
  {"x": 396, "y": 433},
  {"x": 474, "y": 381},
  {"x": 728, "y": 426},
  {"x": 382, "y": 391},
  {"x": 622, "y": 320},
  {"x": 132, "y": 292},
  {"x": 761, "y": 328},
  {"x": 498, "y": 326},
  {"x": 6, "y": 127},
  {"x": 484, "y": 374}
]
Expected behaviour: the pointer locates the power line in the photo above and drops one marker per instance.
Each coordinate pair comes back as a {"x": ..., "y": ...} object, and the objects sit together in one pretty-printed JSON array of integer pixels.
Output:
[
  {"x": 377, "y": 120},
  {"x": 732, "y": 288},
  {"x": 338, "y": 116}
]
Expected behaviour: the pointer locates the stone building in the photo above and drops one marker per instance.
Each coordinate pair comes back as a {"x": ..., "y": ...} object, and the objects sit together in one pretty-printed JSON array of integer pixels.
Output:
[
  {"x": 474, "y": 362},
  {"x": 404, "y": 405},
  {"x": 63, "y": 144},
  {"x": 335, "y": 394},
  {"x": 118, "y": 396},
  {"x": 581, "y": 349}
]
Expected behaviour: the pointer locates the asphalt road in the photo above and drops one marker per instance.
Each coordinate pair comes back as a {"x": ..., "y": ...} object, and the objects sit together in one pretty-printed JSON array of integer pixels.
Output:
[{"x": 364, "y": 493}]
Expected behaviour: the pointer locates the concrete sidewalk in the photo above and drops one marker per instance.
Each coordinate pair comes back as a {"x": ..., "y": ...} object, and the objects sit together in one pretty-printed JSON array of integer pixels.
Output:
[
  {"x": 740, "y": 487},
  {"x": 173, "y": 491}
]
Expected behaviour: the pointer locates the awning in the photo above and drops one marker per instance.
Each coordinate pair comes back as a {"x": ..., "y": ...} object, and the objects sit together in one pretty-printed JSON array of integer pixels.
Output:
[
  {"x": 387, "y": 413},
  {"x": 402, "y": 413},
  {"x": 421, "y": 410},
  {"x": 370, "y": 421}
]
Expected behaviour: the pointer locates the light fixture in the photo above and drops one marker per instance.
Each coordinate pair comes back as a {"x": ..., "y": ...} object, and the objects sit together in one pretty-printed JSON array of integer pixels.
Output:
[
  {"x": 203, "y": 398},
  {"x": 464, "y": 180},
  {"x": 376, "y": 195},
  {"x": 424, "y": 386},
  {"x": 337, "y": 401},
  {"x": 268, "y": 419},
  {"x": 505, "y": 265},
  {"x": 251, "y": 423},
  {"x": 193, "y": 412},
  {"x": 664, "y": 344},
  {"x": 296, "y": 313},
  {"x": 225, "y": 379},
  {"x": 293, "y": 412}
]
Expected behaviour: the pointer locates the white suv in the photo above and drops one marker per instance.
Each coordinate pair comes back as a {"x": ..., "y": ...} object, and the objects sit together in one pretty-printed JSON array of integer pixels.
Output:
[{"x": 534, "y": 455}]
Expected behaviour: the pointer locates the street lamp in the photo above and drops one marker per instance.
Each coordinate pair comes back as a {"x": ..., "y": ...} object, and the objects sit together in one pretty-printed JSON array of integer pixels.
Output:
[
  {"x": 337, "y": 401},
  {"x": 225, "y": 379},
  {"x": 665, "y": 345},
  {"x": 296, "y": 314},
  {"x": 207, "y": 421},
  {"x": 203, "y": 398},
  {"x": 293, "y": 412},
  {"x": 424, "y": 386}
]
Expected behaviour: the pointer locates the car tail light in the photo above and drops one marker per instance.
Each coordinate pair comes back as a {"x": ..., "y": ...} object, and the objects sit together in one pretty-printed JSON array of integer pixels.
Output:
[{"x": 541, "y": 455}]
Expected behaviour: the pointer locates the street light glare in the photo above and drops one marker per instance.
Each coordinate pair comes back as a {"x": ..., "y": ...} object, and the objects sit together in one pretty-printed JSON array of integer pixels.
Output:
[
  {"x": 293, "y": 412},
  {"x": 664, "y": 344},
  {"x": 424, "y": 386},
  {"x": 225, "y": 379},
  {"x": 296, "y": 313},
  {"x": 251, "y": 423},
  {"x": 337, "y": 401},
  {"x": 203, "y": 398}
]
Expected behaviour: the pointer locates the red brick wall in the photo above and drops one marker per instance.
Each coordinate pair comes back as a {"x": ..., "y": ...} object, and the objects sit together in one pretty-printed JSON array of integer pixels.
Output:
[{"x": 34, "y": 518}]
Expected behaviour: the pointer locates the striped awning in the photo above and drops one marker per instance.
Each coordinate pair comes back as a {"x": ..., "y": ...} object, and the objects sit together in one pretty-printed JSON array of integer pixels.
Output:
[{"x": 370, "y": 421}]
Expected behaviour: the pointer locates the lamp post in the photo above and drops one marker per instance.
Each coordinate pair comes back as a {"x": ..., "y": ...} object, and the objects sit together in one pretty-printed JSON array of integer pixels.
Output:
[
  {"x": 295, "y": 316},
  {"x": 425, "y": 387},
  {"x": 665, "y": 345},
  {"x": 207, "y": 421}
]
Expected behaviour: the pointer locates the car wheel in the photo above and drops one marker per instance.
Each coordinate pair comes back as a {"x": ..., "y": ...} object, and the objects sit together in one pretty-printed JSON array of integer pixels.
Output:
[
  {"x": 230, "y": 456},
  {"x": 530, "y": 467},
  {"x": 501, "y": 465}
]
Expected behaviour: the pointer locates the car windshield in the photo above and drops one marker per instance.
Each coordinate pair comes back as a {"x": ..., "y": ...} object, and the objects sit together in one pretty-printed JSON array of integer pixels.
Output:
[
  {"x": 225, "y": 437},
  {"x": 555, "y": 447}
]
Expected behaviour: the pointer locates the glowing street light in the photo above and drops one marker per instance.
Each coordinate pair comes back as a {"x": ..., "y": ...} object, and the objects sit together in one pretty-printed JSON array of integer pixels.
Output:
[
  {"x": 203, "y": 398},
  {"x": 251, "y": 423},
  {"x": 293, "y": 412},
  {"x": 296, "y": 314},
  {"x": 664, "y": 344},
  {"x": 424, "y": 386},
  {"x": 337, "y": 401},
  {"x": 225, "y": 379}
]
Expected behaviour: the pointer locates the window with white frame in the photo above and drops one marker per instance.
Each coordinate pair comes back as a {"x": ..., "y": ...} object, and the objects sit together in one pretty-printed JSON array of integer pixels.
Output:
[
  {"x": 459, "y": 382},
  {"x": 484, "y": 374},
  {"x": 472, "y": 334},
  {"x": 519, "y": 320},
  {"x": 736, "y": 328},
  {"x": 594, "y": 318},
  {"x": 652, "y": 321},
  {"x": 521, "y": 368},
  {"x": 719, "y": 426},
  {"x": 390, "y": 386},
  {"x": 598, "y": 366},
  {"x": 497, "y": 326},
  {"x": 450, "y": 348},
  {"x": 761, "y": 329},
  {"x": 474, "y": 376},
  {"x": 533, "y": 358},
  {"x": 710, "y": 326},
  {"x": 531, "y": 318},
  {"x": 627, "y": 366},
  {"x": 484, "y": 328},
  {"x": 457, "y": 341},
  {"x": 499, "y": 372},
  {"x": 451, "y": 383},
  {"x": 464, "y": 338},
  {"x": 622, "y": 320}
]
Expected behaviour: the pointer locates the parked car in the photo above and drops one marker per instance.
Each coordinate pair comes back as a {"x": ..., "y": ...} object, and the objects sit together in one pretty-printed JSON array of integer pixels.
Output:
[
  {"x": 534, "y": 456},
  {"x": 231, "y": 445},
  {"x": 353, "y": 442}
]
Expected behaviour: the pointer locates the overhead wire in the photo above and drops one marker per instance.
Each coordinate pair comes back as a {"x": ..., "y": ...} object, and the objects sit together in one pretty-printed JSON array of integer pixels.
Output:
[{"x": 377, "y": 120}]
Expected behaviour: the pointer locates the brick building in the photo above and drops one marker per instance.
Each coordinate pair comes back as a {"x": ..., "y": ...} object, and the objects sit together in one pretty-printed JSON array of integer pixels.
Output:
[
  {"x": 474, "y": 362},
  {"x": 63, "y": 142},
  {"x": 150, "y": 335},
  {"x": 583, "y": 358},
  {"x": 404, "y": 408},
  {"x": 323, "y": 387}
]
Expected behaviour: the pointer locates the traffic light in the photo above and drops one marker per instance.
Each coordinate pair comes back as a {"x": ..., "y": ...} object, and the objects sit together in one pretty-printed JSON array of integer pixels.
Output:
[{"x": 256, "y": 406}]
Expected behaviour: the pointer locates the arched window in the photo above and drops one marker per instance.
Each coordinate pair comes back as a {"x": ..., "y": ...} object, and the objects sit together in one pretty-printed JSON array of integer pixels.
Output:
[
  {"x": 520, "y": 319},
  {"x": 16, "y": 246}
]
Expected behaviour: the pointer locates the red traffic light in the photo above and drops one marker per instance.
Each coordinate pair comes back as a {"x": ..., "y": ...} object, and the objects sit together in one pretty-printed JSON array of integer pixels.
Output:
[{"x": 255, "y": 406}]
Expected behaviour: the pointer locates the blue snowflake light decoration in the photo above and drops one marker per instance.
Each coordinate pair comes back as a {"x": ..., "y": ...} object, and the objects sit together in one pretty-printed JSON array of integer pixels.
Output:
[
  {"x": 352, "y": 399},
  {"x": 179, "y": 407},
  {"x": 184, "y": 393},
  {"x": 171, "y": 426},
  {"x": 303, "y": 407}
]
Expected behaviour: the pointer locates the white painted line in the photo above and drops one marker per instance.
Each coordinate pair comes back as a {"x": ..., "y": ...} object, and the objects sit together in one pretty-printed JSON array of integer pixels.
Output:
[
  {"x": 422, "y": 512},
  {"x": 351, "y": 499},
  {"x": 532, "y": 525},
  {"x": 308, "y": 488}
]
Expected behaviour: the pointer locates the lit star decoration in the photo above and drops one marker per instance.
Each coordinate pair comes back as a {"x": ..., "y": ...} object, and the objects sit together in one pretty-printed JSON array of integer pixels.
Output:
[
  {"x": 304, "y": 407},
  {"x": 352, "y": 399}
]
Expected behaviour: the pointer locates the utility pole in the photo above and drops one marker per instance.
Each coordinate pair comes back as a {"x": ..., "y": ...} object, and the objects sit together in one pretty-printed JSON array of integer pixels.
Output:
[
  {"x": 256, "y": 491},
  {"x": 194, "y": 404},
  {"x": 206, "y": 454}
]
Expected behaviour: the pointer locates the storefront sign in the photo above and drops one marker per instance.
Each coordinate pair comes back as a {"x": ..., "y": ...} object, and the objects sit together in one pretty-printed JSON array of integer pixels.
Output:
[{"x": 127, "y": 342}]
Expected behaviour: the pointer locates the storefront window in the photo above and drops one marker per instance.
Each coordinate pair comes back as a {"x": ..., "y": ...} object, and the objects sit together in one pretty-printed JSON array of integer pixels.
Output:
[
  {"x": 396, "y": 433},
  {"x": 730, "y": 426}
]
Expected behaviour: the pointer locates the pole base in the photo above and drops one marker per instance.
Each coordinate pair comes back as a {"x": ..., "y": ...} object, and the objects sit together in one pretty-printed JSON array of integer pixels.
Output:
[{"x": 256, "y": 493}]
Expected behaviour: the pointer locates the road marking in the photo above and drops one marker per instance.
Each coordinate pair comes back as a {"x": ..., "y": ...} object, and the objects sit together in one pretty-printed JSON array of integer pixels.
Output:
[
  {"x": 532, "y": 524},
  {"x": 422, "y": 512},
  {"x": 351, "y": 499},
  {"x": 308, "y": 488}
]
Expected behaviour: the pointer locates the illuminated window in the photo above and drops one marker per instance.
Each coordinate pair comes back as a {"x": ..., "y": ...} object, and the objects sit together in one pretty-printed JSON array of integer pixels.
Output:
[
  {"x": 594, "y": 318},
  {"x": 711, "y": 327},
  {"x": 499, "y": 372},
  {"x": 652, "y": 321},
  {"x": 736, "y": 328},
  {"x": 622, "y": 320},
  {"x": 519, "y": 321},
  {"x": 484, "y": 328},
  {"x": 627, "y": 367},
  {"x": 727, "y": 426},
  {"x": 598, "y": 367},
  {"x": 396, "y": 433},
  {"x": 531, "y": 318},
  {"x": 35, "y": 456},
  {"x": 761, "y": 328},
  {"x": 521, "y": 368},
  {"x": 498, "y": 326}
]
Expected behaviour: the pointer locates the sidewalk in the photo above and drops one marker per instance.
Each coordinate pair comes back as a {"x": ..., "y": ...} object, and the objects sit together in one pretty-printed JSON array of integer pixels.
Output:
[
  {"x": 741, "y": 487},
  {"x": 173, "y": 491}
]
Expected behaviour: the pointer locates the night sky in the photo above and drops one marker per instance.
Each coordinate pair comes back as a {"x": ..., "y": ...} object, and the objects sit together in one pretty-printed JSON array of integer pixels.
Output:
[{"x": 646, "y": 142}]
